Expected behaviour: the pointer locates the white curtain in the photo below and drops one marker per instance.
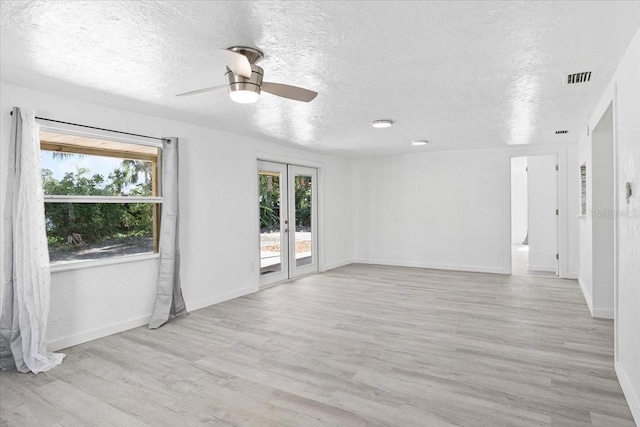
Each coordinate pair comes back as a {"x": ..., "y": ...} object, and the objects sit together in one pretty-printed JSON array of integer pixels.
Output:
[
  {"x": 169, "y": 302},
  {"x": 27, "y": 278}
]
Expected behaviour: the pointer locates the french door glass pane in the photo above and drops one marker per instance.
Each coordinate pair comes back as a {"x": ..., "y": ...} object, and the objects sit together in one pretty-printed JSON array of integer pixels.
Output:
[
  {"x": 303, "y": 186},
  {"x": 270, "y": 247}
]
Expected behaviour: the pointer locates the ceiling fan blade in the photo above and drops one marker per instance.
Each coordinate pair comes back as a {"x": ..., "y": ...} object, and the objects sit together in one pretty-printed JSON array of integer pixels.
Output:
[
  {"x": 206, "y": 89},
  {"x": 237, "y": 62},
  {"x": 291, "y": 92}
]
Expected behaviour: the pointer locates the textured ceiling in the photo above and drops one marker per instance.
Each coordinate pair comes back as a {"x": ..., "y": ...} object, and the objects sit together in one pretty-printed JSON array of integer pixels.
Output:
[{"x": 460, "y": 74}]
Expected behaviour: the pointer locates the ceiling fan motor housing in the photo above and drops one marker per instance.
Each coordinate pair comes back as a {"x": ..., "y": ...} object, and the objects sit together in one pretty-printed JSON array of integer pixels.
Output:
[{"x": 253, "y": 84}]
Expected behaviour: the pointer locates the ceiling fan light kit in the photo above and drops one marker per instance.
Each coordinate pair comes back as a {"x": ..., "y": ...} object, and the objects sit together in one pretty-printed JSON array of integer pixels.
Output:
[
  {"x": 244, "y": 78},
  {"x": 245, "y": 90}
]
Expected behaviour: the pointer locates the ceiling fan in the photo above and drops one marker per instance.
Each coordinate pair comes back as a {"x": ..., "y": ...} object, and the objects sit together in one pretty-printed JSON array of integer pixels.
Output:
[{"x": 244, "y": 78}]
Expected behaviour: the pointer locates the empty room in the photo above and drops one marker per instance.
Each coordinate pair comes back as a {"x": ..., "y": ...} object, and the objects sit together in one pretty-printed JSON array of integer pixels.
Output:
[{"x": 341, "y": 213}]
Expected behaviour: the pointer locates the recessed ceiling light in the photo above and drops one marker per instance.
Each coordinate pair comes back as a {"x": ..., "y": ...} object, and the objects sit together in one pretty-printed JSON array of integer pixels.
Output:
[
  {"x": 419, "y": 142},
  {"x": 382, "y": 123}
]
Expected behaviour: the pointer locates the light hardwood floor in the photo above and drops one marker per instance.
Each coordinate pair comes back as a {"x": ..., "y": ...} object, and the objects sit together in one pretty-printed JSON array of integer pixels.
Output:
[{"x": 359, "y": 345}]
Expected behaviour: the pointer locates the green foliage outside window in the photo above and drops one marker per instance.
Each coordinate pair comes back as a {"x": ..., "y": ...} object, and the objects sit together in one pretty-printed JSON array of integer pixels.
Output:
[
  {"x": 303, "y": 201},
  {"x": 97, "y": 222},
  {"x": 269, "y": 203}
]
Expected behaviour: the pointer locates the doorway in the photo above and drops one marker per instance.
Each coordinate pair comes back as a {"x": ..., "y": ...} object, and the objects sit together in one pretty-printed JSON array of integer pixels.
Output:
[
  {"x": 288, "y": 218},
  {"x": 602, "y": 217},
  {"x": 534, "y": 215}
]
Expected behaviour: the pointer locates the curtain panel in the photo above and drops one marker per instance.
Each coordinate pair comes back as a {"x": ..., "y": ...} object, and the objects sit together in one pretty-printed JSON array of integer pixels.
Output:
[
  {"x": 169, "y": 301},
  {"x": 26, "y": 277}
]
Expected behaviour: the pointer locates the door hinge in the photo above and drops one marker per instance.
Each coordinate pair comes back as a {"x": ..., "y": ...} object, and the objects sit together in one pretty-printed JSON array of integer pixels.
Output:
[
  {"x": 557, "y": 256},
  {"x": 557, "y": 212},
  {"x": 556, "y": 167}
]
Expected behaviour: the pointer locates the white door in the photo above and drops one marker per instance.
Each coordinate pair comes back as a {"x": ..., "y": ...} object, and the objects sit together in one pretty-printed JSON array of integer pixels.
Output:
[
  {"x": 274, "y": 225},
  {"x": 303, "y": 196},
  {"x": 542, "y": 182},
  {"x": 288, "y": 221}
]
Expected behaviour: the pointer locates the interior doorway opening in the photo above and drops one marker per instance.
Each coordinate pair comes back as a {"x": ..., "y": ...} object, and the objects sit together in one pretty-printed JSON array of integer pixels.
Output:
[
  {"x": 602, "y": 215},
  {"x": 288, "y": 221},
  {"x": 534, "y": 215}
]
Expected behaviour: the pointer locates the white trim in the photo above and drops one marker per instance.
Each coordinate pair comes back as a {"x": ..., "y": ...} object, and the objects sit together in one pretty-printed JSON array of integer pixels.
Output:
[
  {"x": 320, "y": 217},
  {"x": 563, "y": 201},
  {"x": 603, "y": 313},
  {"x": 209, "y": 301},
  {"x": 285, "y": 242},
  {"x": 587, "y": 296},
  {"x": 633, "y": 400},
  {"x": 255, "y": 264},
  {"x": 470, "y": 268},
  {"x": 60, "y": 128},
  {"x": 549, "y": 269},
  {"x": 101, "y": 199},
  {"x": 616, "y": 223},
  {"x": 507, "y": 244},
  {"x": 96, "y": 333},
  {"x": 81, "y": 264}
]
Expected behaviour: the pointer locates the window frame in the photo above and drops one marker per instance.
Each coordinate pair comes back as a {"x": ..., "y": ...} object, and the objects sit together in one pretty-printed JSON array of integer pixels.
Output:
[{"x": 156, "y": 201}]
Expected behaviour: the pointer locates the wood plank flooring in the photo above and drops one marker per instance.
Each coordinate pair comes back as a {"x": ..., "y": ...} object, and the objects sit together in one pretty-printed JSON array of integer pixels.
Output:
[{"x": 359, "y": 345}]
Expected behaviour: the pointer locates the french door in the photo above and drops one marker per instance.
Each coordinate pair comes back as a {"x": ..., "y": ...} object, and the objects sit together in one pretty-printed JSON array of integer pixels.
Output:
[{"x": 288, "y": 221}]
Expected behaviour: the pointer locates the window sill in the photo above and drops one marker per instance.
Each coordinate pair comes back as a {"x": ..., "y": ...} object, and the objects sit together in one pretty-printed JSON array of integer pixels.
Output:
[{"x": 79, "y": 265}]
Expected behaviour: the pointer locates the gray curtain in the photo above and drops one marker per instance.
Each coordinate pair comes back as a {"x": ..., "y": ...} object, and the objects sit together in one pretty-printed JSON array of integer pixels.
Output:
[
  {"x": 10, "y": 339},
  {"x": 169, "y": 302},
  {"x": 26, "y": 276}
]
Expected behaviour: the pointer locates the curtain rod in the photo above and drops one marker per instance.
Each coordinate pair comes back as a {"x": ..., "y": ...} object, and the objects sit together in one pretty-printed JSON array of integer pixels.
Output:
[{"x": 97, "y": 128}]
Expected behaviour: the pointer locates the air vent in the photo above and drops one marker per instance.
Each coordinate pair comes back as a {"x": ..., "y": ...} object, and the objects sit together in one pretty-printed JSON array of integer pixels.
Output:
[
  {"x": 575, "y": 78},
  {"x": 561, "y": 132}
]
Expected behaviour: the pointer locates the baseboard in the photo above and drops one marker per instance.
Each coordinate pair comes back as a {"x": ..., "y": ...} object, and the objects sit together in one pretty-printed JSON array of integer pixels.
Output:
[
  {"x": 571, "y": 275},
  {"x": 471, "y": 268},
  {"x": 602, "y": 313},
  {"x": 328, "y": 267},
  {"x": 629, "y": 393},
  {"x": 86, "y": 336},
  {"x": 587, "y": 296},
  {"x": 545, "y": 268},
  {"x": 206, "y": 302}
]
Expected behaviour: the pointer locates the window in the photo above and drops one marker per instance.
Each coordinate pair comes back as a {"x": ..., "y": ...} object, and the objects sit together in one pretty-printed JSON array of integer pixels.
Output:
[{"x": 101, "y": 196}]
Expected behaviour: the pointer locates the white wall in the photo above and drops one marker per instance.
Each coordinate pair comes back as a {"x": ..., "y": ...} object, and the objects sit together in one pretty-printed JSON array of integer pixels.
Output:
[
  {"x": 450, "y": 209},
  {"x": 624, "y": 91},
  {"x": 519, "y": 200},
  {"x": 437, "y": 210},
  {"x": 219, "y": 240},
  {"x": 542, "y": 190}
]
